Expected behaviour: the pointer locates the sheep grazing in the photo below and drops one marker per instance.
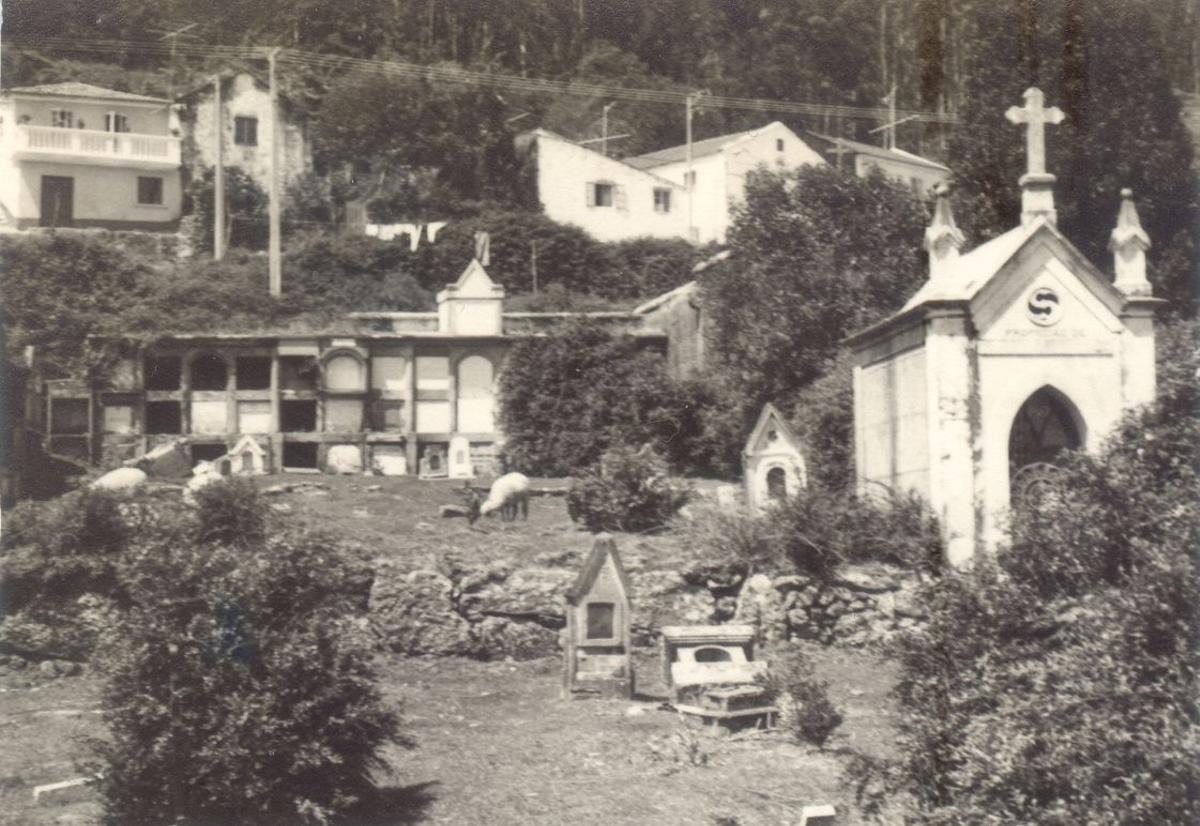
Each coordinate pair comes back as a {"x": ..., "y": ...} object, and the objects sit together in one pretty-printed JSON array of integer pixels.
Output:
[{"x": 509, "y": 494}]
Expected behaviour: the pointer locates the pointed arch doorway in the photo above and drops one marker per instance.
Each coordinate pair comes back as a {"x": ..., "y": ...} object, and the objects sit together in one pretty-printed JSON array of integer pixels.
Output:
[{"x": 1046, "y": 426}]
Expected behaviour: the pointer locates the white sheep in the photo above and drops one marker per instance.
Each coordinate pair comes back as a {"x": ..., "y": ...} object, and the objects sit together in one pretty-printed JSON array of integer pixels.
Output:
[{"x": 509, "y": 494}]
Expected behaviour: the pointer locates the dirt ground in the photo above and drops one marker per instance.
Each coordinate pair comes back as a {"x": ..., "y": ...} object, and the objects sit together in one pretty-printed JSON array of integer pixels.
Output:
[{"x": 494, "y": 743}]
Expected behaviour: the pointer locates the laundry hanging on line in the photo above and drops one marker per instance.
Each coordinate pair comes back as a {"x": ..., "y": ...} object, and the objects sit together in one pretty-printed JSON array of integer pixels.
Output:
[{"x": 389, "y": 232}]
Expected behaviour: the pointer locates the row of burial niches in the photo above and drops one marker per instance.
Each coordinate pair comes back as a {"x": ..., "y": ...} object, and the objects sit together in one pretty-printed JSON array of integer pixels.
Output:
[{"x": 400, "y": 407}]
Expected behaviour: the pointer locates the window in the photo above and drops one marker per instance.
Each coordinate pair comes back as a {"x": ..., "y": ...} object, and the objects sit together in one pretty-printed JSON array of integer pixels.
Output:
[
  {"x": 297, "y": 416},
  {"x": 150, "y": 191},
  {"x": 209, "y": 372},
  {"x": 245, "y": 131},
  {"x": 115, "y": 122},
  {"x": 601, "y": 195},
  {"x": 301, "y": 455},
  {"x": 164, "y": 417},
  {"x": 62, "y": 118},
  {"x": 662, "y": 200},
  {"x": 163, "y": 372},
  {"x": 689, "y": 179},
  {"x": 253, "y": 373},
  {"x": 600, "y": 620},
  {"x": 68, "y": 415},
  {"x": 779, "y": 144}
]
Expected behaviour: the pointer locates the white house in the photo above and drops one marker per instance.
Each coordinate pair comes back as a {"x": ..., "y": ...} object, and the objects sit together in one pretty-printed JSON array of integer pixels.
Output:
[
  {"x": 246, "y": 124},
  {"x": 1008, "y": 355},
  {"x": 77, "y": 155},
  {"x": 921, "y": 175},
  {"x": 719, "y": 167},
  {"x": 608, "y": 198}
]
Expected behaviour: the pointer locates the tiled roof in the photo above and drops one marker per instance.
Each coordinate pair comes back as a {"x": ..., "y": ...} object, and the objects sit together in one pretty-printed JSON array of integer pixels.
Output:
[
  {"x": 74, "y": 89},
  {"x": 674, "y": 154}
]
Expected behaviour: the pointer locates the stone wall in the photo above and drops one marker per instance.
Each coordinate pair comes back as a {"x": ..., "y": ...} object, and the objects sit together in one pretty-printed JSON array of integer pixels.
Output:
[{"x": 501, "y": 609}]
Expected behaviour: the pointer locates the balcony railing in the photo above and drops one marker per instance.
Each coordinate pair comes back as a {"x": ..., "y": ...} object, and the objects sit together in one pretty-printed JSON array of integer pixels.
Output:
[{"x": 32, "y": 141}]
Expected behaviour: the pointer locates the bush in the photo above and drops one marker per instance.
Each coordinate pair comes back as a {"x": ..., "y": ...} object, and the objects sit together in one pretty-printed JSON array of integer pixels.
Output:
[
  {"x": 1057, "y": 683},
  {"x": 821, "y": 529},
  {"x": 238, "y": 683},
  {"x": 806, "y": 710},
  {"x": 230, "y": 512},
  {"x": 628, "y": 491}
]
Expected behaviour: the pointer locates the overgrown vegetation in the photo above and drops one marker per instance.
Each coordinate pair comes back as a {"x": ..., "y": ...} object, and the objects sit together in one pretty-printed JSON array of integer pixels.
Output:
[
  {"x": 807, "y": 713},
  {"x": 238, "y": 680},
  {"x": 567, "y": 397},
  {"x": 628, "y": 490},
  {"x": 1056, "y": 683}
]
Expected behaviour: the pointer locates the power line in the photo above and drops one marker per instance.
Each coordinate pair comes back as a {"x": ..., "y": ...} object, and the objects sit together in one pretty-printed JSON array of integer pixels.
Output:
[{"x": 467, "y": 77}]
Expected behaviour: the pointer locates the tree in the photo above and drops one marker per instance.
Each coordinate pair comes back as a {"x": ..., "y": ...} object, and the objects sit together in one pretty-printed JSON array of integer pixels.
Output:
[
  {"x": 817, "y": 254},
  {"x": 238, "y": 683}
]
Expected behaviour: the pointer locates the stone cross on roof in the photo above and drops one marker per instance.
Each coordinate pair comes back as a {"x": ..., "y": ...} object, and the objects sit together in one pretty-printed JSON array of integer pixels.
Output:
[{"x": 1036, "y": 116}]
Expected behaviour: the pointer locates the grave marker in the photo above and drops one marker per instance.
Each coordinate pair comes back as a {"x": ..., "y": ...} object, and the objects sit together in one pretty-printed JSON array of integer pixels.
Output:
[{"x": 598, "y": 655}]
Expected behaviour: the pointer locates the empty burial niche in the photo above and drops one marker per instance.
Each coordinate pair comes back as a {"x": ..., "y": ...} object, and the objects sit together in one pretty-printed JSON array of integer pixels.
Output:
[
  {"x": 713, "y": 655},
  {"x": 163, "y": 417},
  {"x": 209, "y": 372},
  {"x": 298, "y": 416},
  {"x": 299, "y": 373},
  {"x": 68, "y": 415},
  {"x": 253, "y": 373},
  {"x": 300, "y": 455},
  {"x": 163, "y": 372},
  {"x": 208, "y": 453}
]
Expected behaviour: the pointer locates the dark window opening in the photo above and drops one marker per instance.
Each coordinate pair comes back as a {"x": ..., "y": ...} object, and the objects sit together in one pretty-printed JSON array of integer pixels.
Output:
[
  {"x": 779, "y": 144},
  {"x": 68, "y": 415},
  {"x": 208, "y": 453},
  {"x": 713, "y": 655},
  {"x": 298, "y": 416},
  {"x": 662, "y": 200},
  {"x": 253, "y": 373},
  {"x": 163, "y": 373},
  {"x": 209, "y": 372},
  {"x": 600, "y": 620},
  {"x": 150, "y": 191},
  {"x": 1042, "y": 430},
  {"x": 602, "y": 195},
  {"x": 164, "y": 417},
  {"x": 300, "y": 455},
  {"x": 299, "y": 373},
  {"x": 245, "y": 131}
]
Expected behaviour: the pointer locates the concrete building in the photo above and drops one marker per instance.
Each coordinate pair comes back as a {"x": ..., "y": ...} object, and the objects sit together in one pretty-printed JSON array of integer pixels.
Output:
[
  {"x": 920, "y": 175},
  {"x": 1007, "y": 356},
  {"x": 719, "y": 167},
  {"x": 77, "y": 155},
  {"x": 246, "y": 124},
  {"x": 388, "y": 392},
  {"x": 608, "y": 198}
]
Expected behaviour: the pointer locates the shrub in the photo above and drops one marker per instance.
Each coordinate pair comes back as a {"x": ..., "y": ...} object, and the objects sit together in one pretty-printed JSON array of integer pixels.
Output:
[
  {"x": 230, "y": 512},
  {"x": 806, "y": 710},
  {"x": 821, "y": 529},
  {"x": 1057, "y": 683},
  {"x": 245, "y": 210},
  {"x": 628, "y": 491},
  {"x": 238, "y": 684}
]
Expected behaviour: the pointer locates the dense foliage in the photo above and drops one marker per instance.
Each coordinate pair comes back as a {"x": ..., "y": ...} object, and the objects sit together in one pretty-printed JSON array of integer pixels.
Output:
[
  {"x": 567, "y": 397},
  {"x": 1056, "y": 683},
  {"x": 627, "y": 490},
  {"x": 817, "y": 254},
  {"x": 807, "y": 712},
  {"x": 238, "y": 679}
]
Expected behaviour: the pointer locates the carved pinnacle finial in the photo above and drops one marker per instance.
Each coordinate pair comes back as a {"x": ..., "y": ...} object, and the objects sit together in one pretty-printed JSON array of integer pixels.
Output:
[
  {"x": 943, "y": 238},
  {"x": 1128, "y": 244}
]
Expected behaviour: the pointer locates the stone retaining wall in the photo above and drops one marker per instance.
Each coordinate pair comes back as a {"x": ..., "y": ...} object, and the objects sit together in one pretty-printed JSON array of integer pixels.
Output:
[{"x": 499, "y": 609}]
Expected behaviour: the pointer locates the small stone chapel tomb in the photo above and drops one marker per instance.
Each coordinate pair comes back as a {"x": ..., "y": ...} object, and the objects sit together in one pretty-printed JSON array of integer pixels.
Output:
[
  {"x": 772, "y": 464},
  {"x": 1008, "y": 355},
  {"x": 598, "y": 654}
]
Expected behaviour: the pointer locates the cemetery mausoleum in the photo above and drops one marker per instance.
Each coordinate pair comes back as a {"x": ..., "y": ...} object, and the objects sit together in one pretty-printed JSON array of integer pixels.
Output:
[{"x": 1008, "y": 355}]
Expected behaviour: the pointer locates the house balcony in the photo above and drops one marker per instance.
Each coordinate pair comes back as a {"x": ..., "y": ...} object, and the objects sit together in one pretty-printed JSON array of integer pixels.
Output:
[{"x": 130, "y": 149}]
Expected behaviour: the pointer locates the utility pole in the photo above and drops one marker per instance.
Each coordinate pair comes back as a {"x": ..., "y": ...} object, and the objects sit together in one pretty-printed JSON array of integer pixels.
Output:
[
  {"x": 689, "y": 177},
  {"x": 533, "y": 266},
  {"x": 275, "y": 253},
  {"x": 604, "y": 129},
  {"x": 218, "y": 173}
]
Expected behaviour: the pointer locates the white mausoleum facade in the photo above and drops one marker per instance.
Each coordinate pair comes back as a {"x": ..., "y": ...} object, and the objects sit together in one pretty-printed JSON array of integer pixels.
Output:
[{"x": 1008, "y": 355}]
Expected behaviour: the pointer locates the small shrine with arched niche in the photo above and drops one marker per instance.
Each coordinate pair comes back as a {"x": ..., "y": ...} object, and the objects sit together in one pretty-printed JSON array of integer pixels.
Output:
[
  {"x": 1008, "y": 356},
  {"x": 773, "y": 465},
  {"x": 598, "y": 649}
]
